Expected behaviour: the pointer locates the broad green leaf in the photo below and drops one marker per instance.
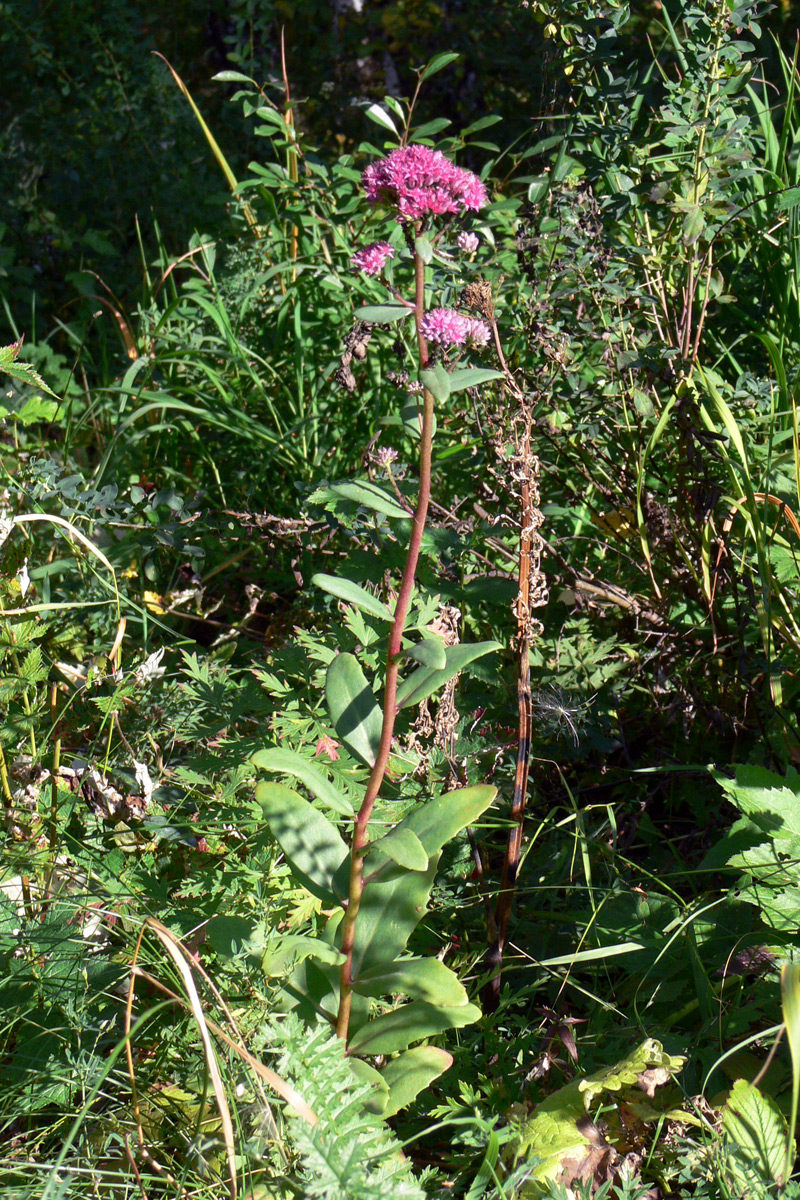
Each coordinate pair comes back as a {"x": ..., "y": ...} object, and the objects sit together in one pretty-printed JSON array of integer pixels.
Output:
[
  {"x": 366, "y": 1073},
  {"x": 436, "y": 822},
  {"x": 424, "y": 249},
  {"x": 376, "y": 114},
  {"x": 292, "y": 948},
  {"x": 757, "y": 1129},
  {"x": 465, "y": 377},
  {"x": 772, "y": 802},
  {"x": 391, "y": 909},
  {"x": 353, "y": 593},
  {"x": 410, "y": 1073},
  {"x": 354, "y": 711},
  {"x": 403, "y": 847},
  {"x": 431, "y": 652},
  {"x": 362, "y": 491},
  {"x": 438, "y": 63},
  {"x": 395, "y": 899},
  {"x": 437, "y": 381},
  {"x": 310, "y": 842},
  {"x": 411, "y": 416},
  {"x": 287, "y": 762},
  {"x": 426, "y": 680},
  {"x": 693, "y": 225},
  {"x": 383, "y": 314},
  {"x": 420, "y": 978},
  {"x": 396, "y": 1030}
]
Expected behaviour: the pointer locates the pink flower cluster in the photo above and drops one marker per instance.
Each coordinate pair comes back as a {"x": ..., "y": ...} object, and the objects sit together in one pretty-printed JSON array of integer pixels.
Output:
[
  {"x": 417, "y": 180},
  {"x": 449, "y": 328},
  {"x": 372, "y": 259}
]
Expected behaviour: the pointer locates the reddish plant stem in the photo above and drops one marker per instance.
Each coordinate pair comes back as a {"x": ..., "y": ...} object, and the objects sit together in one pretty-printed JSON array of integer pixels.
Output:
[{"x": 360, "y": 830}]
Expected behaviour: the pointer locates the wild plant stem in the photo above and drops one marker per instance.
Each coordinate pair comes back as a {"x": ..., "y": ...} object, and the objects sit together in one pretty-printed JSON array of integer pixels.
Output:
[{"x": 360, "y": 830}]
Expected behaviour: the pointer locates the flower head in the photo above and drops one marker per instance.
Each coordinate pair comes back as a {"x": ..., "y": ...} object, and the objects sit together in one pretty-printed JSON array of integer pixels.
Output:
[
  {"x": 468, "y": 242},
  {"x": 417, "y": 180},
  {"x": 445, "y": 326},
  {"x": 478, "y": 333},
  {"x": 372, "y": 259}
]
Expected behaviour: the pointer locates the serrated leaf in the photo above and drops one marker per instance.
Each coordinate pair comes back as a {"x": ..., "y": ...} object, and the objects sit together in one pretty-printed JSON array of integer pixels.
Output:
[
  {"x": 464, "y": 377},
  {"x": 383, "y": 314},
  {"x": 396, "y": 1030},
  {"x": 369, "y": 495},
  {"x": 757, "y": 1128},
  {"x": 21, "y": 371},
  {"x": 420, "y": 978},
  {"x": 426, "y": 680},
  {"x": 354, "y": 711},
  {"x": 403, "y": 847},
  {"x": 353, "y": 593},
  {"x": 276, "y": 758},
  {"x": 310, "y": 842}
]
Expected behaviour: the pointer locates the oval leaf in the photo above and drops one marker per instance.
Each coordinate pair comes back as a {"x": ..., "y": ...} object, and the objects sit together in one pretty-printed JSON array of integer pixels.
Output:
[
  {"x": 431, "y": 652},
  {"x": 426, "y": 680},
  {"x": 420, "y": 978},
  {"x": 438, "y": 63},
  {"x": 424, "y": 249},
  {"x": 403, "y": 847},
  {"x": 354, "y": 594},
  {"x": 370, "y": 495},
  {"x": 286, "y": 762},
  {"x": 354, "y": 710},
  {"x": 472, "y": 377},
  {"x": 437, "y": 382},
  {"x": 376, "y": 114},
  {"x": 310, "y": 842},
  {"x": 383, "y": 314},
  {"x": 396, "y": 1030},
  {"x": 410, "y": 1073}
]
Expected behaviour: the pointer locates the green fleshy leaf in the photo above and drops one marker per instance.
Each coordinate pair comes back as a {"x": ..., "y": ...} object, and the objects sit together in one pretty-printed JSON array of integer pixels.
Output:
[
  {"x": 431, "y": 652},
  {"x": 383, "y": 314},
  {"x": 287, "y": 762},
  {"x": 362, "y": 491},
  {"x": 403, "y": 847},
  {"x": 426, "y": 680},
  {"x": 410, "y": 1073},
  {"x": 293, "y": 948},
  {"x": 396, "y": 1030},
  {"x": 465, "y": 377},
  {"x": 419, "y": 978},
  {"x": 353, "y": 593},
  {"x": 311, "y": 843},
  {"x": 437, "y": 381},
  {"x": 354, "y": 711}
]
